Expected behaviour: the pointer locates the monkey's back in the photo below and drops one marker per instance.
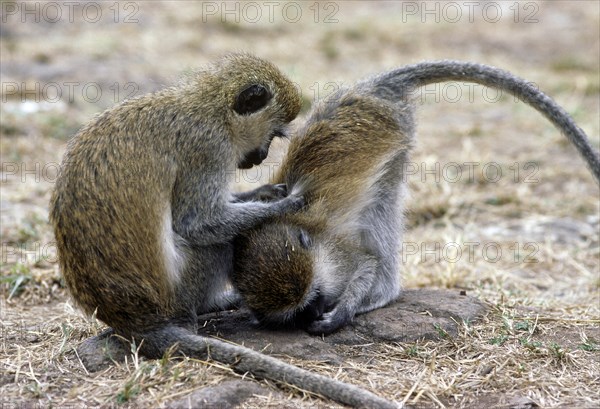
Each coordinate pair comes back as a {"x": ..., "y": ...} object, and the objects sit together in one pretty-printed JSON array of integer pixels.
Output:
[
  {"x": 343, "y": 150},
  {"x": 112, "y": 190}
]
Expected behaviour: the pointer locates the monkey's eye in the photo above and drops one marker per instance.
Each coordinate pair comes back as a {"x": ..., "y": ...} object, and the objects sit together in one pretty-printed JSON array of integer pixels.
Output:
[
  {"x": 304, "y": 239},
  {"x": 252, "y": 99}
]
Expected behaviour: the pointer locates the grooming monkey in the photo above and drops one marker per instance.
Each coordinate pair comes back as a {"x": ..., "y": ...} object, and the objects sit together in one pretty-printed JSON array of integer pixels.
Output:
[
  {"x": 144, "y": 218},
  {"x": 338, "y": 257}
]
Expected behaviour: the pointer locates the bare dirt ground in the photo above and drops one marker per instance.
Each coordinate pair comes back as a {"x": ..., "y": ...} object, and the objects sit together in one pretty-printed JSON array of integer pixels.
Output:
[{"x": 501, "y": 206}]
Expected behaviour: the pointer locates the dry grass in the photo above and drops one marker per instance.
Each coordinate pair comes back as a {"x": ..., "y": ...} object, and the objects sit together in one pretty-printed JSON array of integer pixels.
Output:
[{"x": 541, "y": 339}]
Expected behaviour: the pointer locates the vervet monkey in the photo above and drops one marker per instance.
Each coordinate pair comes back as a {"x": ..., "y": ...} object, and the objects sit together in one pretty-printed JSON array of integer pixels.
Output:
[
  {"x": 339, "y": 257},
  {"x": 144, "y": 217}
]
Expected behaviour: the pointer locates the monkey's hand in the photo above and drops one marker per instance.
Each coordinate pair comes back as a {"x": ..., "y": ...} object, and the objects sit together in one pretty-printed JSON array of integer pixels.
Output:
[
  {"x": 271, "y": 193},
  {"x": 330, "y": 321},
  {"x": 234, "y": 217},
  {"x": 291, "y": 203},
  {"x": 265, "y": 193}
]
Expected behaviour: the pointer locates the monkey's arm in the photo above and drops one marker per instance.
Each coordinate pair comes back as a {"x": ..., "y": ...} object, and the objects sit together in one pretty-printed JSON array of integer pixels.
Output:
[
  {"x": 231, "y": 219},
  {"x": 364, "y": 268}
]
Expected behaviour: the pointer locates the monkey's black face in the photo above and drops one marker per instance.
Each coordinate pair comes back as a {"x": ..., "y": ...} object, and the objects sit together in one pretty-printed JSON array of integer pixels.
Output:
[
  {"x": 253, "y": 158},
  {"x": 251, "y": 100},
  {"x": 258, "y": 155}
]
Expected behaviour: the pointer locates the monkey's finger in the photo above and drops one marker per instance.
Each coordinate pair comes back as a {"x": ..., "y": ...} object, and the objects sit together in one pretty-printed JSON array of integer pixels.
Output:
[
  {"x": 298, "y": 202},
  {"x": 282, "y": 188}
]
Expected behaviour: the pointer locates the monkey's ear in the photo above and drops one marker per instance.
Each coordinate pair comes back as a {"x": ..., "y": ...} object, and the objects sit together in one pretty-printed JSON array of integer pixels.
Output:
[{"x": 252, "y": 99}]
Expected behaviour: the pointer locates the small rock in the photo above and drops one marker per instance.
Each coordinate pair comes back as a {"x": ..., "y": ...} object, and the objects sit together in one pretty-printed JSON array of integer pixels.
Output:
[
  {"x": 418, "y": 314},
  {"x": 522, "y": 402},
  {"x": 100, "y": 351},
  {"x": 414, "y": 316},
  {"x": 226, "y": 395}
]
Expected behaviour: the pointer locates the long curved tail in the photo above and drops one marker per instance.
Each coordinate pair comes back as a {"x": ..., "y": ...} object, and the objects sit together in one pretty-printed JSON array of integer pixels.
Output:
[
  {"x": 245, "y": 360},
  {"x": 398, "y": 84}
]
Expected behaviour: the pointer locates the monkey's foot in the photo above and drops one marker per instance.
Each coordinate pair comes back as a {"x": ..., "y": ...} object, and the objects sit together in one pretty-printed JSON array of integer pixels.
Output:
[{"x": 330, "y": 321}]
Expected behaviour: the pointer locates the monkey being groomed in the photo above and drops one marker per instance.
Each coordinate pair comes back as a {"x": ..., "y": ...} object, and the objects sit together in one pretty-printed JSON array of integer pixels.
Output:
[
  {"x": 338, "y": 257},
  {"x": 144, "y": 217}
]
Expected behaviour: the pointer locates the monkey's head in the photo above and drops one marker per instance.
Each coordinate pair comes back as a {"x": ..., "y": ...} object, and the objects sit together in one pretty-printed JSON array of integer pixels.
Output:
[
  {"x": 254, "y": 100},
  {"x": 273, "y": 272}
]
